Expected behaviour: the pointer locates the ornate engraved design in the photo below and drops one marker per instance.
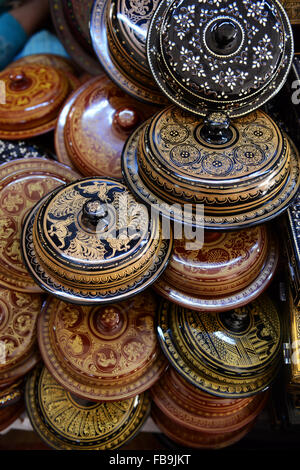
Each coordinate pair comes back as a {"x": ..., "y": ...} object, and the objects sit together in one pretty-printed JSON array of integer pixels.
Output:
[
  {"x": 198, "y": 74},
  {"x": 204, "y": 371},
  {"x": 115, "y": 361},
  {"x": 32, "y": 180},
  {"x": 65, "y": 422},
  {"x": 256, "y": 209},
  {"x": 18, "y": 318},
  {"x": 132, "y": 76},
  {"x": 64, "y": 231}
]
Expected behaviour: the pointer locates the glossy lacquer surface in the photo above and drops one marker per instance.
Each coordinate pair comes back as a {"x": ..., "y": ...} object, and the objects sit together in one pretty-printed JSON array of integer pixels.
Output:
[
  {"x": 84, "y": 425},
  {"x": 220, "y": 56},
  {"x": 229, "y": 270},
  {"x": 103, "y": 352}
]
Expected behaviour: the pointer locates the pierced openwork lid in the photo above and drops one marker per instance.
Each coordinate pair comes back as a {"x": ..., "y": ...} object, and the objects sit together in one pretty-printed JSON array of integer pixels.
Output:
[
  {"x": 243, "y": 172},
  {"x": 93, "y": 243},
  {"x": 83, "y": 425},
  {"x": 33, "y": 97},
  {"x": 217, "y": 55},
  {"x": 230, "y": 270},
  {"x": 108, "y": 352},
  {"x": 230, "y": 354},
  {"x": 23, "y": 183},
  {"x": 92, "y": 131},
  {"x": 18, "y": 339},
  {"x": 118, "y": 30}
]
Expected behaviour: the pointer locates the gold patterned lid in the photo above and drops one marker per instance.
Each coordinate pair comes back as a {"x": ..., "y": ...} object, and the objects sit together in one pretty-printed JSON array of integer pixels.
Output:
[
  {"x": 33, "y": 96},
  {"x": 229, "y": 270},
  {"x": 97, "y": 125},
  {"x": 18, "y": 339},
  {"x": 234, "y": 353},
  {"x": 178, "y": 159},
  {"x": 93, "y": 243},
  {"x": 23, "y": 183},
  {"x": 108, "y": 352},
  {"x": 66, "y": 422}
]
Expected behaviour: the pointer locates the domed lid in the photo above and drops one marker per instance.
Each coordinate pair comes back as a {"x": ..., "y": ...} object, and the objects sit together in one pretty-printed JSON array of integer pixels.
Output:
[
  {"x": 34, "y": 95},
  {"x": 23, "y": 182},
  {"x": 18, "y": 341},
  {"x": 104, "y": 352},
  {"x": 195, "y": 416},
  {"x": 231, "y": 353},
  {"x": 75, "y": 44},
  {"x": 82, "y": 424},
  {"x": 118, "y": 31},
  {"x": 215, "y": 55},
  {"x": 177, "y": 158},
  {"x": 96, "y": 126},
  {"x": 230, "y": 269},
  {"x": 93, "y": 243}
]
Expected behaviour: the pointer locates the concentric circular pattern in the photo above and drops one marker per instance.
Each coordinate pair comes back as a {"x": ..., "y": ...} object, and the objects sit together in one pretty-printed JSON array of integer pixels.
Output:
[
  {"x": 230, "y": 270},
  {"x": 118, "y": 31},
  {"x": 224, "y": 56},
  {"x": 65, "y": 422},
  {"x": 234, "y": 354},
  {"x": 18, "y": 340},
  {"x": 238, "y": 196},
  {"x": 118, "y": 257},
  {"x": 104, "y": 352},
  {"x": 33, "y": 95},
  {"x": 201, "y": 413},
  {"x": 23, "y": 182}
]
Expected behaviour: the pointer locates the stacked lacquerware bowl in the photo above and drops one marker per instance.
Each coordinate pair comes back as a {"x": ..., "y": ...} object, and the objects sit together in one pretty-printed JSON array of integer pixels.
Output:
[{"x": 137, "y": 313}]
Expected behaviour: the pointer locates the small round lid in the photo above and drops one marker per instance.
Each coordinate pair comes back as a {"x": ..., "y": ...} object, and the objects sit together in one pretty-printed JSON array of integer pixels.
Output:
[
  {"x": 23, "y": 182},
  {"x": 104, "y": 352},
  {"x": 176, "y": 158},
  {"x": 81, "y": 425},
  {"x": 79, "y": 51},
  {"x": 233, "y": 353},
  {"x": 230, "y": 270},
  {"x": 34, "y": 95},
  {"x": 18, "y": 340},
  {"x": 118, "y": 32},
  {"x": 93, "y": 243},
  {"x": 96, "y": 127},
  {"x": 174, "y": 403},
  {"x": 216, "y": 56}
]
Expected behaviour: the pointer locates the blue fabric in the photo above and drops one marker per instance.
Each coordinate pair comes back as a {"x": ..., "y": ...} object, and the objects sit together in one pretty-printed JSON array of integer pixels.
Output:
[
  {"x": 42, "y": 42},
  {"x": 12, "y": 39}
]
